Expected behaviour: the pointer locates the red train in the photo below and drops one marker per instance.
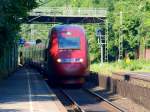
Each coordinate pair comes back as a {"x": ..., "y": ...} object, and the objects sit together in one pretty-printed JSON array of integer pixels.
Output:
[{"x": 68, "y": 60}]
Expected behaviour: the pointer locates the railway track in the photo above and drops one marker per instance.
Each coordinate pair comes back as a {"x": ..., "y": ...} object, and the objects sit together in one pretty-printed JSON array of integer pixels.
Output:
[
  {"x": 67, "y": 101},
  {"x": 133, "y": 75},
  {"x": 84, "y": 100},
  {"x": 140, "y": 76},
  {"x": 105, "y": 100},
  {"x": 140, "y": 79}
]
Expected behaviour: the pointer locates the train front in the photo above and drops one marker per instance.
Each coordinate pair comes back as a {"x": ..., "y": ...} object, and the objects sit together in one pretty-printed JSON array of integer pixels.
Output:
[{"x": 70, "y": 54}]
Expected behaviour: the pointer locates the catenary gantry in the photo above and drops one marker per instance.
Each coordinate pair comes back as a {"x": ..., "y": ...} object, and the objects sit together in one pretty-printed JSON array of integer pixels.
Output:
[{"x": 66, "y": 15}]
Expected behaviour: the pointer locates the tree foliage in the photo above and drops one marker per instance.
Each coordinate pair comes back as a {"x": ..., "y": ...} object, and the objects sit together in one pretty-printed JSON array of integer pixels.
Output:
[
  {"x": 134, "y": 28},
  {"x": 11, "y": 12}
]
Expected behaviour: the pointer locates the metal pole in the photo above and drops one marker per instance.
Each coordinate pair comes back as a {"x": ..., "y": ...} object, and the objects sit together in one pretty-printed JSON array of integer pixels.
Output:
[
  {"x": 120, "y": 38},
  {"x": 101, "y": 53},
  {"x": 101, "y": 45},
  {"x": 106, "y": 42}
]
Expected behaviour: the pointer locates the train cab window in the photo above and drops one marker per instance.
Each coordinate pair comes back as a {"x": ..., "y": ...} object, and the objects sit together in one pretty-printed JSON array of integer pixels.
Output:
[{"x": 69, "y": 43}]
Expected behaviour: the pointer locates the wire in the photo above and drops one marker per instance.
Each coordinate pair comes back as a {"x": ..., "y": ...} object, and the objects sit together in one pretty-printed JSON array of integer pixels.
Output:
[{"x": 44, "y": 3}]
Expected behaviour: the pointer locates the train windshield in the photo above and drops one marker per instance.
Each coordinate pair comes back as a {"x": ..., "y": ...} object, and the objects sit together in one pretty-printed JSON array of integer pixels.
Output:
[{"x": 69, "y": 43}]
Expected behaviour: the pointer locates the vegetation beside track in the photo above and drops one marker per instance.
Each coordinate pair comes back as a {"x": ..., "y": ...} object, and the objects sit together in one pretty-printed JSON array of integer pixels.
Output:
[
  {"x": 12, "y": 12},
  {"x": 121, "y": 66}
]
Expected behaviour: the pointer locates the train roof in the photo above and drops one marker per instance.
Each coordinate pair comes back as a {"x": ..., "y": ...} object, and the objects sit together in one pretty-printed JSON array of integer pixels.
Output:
[{"x": 63, "y": 27}]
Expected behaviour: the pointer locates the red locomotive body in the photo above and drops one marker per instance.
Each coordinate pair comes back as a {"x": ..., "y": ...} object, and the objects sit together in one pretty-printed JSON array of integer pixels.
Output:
[{"x": 68, "y": 54}]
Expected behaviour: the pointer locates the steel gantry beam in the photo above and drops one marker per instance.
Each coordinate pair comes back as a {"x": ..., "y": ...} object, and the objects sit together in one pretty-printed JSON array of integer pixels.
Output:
[{"x": 48, "y": 15}]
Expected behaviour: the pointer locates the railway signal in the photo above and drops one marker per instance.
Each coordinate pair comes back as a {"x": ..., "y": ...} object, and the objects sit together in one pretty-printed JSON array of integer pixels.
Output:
[{"x": 21, "y": 41}]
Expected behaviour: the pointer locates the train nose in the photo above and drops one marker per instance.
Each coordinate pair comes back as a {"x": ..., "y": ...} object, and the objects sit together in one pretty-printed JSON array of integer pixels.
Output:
[{"x": 72, "y": 68}]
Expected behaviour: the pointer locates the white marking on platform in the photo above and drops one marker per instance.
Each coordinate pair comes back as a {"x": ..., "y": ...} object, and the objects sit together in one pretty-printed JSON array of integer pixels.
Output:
[{"x": 29, "y": 91}]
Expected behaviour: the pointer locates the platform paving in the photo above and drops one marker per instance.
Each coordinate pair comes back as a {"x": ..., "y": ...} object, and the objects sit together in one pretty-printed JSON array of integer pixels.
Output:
[{"x": 26, "y": 91}]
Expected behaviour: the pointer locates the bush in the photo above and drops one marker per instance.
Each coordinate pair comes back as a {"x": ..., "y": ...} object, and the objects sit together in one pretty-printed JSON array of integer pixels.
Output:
[{"x": 121, "y": 66}]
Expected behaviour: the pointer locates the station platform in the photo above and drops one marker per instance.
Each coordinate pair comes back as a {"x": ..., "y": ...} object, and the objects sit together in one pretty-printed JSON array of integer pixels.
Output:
[{"x": 26, "y": 91}]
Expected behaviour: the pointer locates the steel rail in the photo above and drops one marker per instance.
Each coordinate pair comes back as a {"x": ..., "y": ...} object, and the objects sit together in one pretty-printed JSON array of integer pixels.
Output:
[
  {"x": 74, "y": 103},
  {"x": 104, "y": 99},
  {"x": 138, "y": 76}
]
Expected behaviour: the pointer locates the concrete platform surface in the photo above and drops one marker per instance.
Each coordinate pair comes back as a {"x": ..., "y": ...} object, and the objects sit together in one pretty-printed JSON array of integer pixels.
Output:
[{"x": 26, "y": 91}]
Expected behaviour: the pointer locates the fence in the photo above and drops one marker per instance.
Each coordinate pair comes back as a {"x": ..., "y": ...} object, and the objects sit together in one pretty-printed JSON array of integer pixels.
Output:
[
  {"x": 34, "y": 53},
  {"x": 9, "y": 61}
]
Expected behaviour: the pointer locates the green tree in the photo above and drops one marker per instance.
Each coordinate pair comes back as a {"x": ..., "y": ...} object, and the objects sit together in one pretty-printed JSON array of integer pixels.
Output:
[
  {"x": 134, "y": 27},
  {"x": 11, "y": 11}
]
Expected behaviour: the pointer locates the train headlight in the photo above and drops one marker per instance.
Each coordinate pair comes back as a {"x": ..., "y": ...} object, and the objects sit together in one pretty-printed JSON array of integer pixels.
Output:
[
  {"x": 68, "y": 33},
  {"x": 81, "y": 60},
  {"x": 59, "y": 60}
]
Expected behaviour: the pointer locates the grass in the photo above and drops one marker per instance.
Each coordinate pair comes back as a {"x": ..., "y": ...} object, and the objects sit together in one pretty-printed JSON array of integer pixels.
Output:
[{"x": 121, "y": 66}]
